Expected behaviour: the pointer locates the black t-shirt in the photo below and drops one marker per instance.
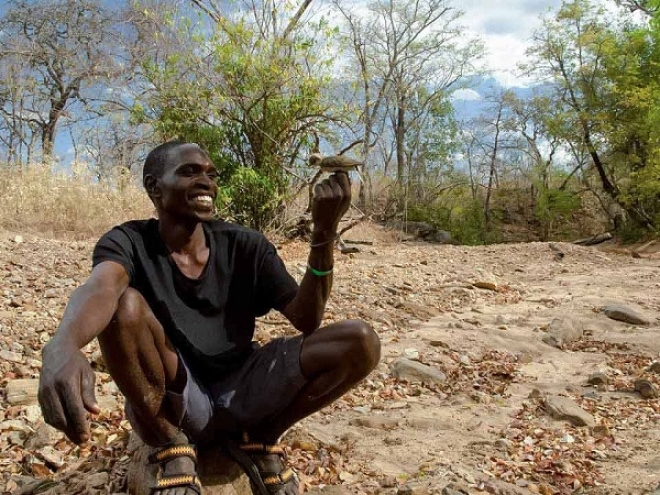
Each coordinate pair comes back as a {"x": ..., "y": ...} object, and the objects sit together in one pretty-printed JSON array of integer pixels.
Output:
[{"x": 210, "y": 320}]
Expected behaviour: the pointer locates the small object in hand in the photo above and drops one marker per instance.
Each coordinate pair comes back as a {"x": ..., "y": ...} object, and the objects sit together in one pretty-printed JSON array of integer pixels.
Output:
[{"x": 334, "y": 163}]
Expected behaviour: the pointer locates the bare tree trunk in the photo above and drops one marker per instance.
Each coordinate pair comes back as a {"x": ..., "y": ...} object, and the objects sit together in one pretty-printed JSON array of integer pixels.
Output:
[
  {"x": 400, "y": 144},
  {"x": 491, "y": 174}
]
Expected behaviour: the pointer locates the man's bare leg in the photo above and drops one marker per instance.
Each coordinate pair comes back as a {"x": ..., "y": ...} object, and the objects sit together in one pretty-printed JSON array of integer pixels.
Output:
[
  {"x": 333, "y": 359},
  {"x": 144, "y": 365}
]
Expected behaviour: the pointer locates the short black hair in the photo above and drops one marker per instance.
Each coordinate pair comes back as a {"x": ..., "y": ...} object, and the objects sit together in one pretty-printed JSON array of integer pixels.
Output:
[{"x": 157, "y": 158}]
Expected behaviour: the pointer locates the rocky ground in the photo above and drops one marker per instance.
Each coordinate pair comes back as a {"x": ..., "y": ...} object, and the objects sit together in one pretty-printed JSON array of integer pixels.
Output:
[{"x": 505, "y": 369}]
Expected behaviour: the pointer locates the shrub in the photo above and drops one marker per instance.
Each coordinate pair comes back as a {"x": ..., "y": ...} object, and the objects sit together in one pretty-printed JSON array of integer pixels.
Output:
[{"x": 250, "y": 198}]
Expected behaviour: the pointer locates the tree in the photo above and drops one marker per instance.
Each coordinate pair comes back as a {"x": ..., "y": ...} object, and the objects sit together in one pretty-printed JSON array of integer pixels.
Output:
[
  {"x": 408, "y": 56},
  {"x": 252, "y": 95},
  {"x": 58, "y": 55},
  {"x": 601, "y": 72}
]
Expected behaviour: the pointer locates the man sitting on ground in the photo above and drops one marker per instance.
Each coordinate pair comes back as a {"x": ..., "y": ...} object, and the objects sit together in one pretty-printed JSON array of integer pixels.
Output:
[{"x": 173, "y": 303}]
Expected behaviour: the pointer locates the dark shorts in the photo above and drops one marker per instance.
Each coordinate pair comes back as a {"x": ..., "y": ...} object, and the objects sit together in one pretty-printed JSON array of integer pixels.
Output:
[{"x": 246, "y": 399}]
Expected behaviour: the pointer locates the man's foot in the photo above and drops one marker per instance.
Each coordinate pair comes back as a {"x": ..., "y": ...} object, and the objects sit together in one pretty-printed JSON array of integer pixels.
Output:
[
  {"x": 266, "y": 466},
  {"x": 176, "y": 472}
]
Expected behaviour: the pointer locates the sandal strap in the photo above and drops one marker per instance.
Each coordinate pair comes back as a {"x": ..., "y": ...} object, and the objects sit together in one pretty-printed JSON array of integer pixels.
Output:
[
  {"x": 174, "y": 481},
  {"x": 263, "y": 448},
  {"x": 280, "y": 478},
  {"x": 173, "y": 452}
]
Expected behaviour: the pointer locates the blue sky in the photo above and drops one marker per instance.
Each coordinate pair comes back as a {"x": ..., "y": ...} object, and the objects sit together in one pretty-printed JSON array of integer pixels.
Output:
[{"x": 505, "y": 26}]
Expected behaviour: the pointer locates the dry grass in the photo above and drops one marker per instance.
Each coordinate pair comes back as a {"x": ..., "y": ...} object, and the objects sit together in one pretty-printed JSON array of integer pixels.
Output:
[{"x": 71, "y": 205}]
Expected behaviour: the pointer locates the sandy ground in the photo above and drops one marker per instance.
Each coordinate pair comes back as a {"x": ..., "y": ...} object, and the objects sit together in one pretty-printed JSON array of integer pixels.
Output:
[{"x": 485, "y": 428}]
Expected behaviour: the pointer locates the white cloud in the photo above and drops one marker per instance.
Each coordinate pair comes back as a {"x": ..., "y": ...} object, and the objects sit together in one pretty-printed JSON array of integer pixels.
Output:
[
  {"x": 506, "y": 28},
  {"x": 465, "y": 95}
]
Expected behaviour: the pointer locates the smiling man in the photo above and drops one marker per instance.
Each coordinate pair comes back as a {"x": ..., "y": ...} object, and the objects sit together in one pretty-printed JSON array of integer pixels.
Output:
[{"x": 173, "y": 303}]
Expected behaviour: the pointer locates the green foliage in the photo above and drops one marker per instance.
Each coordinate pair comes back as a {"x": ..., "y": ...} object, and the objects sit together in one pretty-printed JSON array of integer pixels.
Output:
[
  {"x": 456, "y": 212},
  {"x": 248, "y": 99},
  {"x": 554, "y": 209},
  {"x": 249, "y": 198}
]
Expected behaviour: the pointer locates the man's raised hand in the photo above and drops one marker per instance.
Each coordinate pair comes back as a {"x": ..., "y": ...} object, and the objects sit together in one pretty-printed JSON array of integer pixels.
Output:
[{"x": 332, "y": 197}]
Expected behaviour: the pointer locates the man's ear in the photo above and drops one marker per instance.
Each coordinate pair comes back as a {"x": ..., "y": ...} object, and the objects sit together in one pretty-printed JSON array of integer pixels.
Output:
[{"x": 151, "y": 185}]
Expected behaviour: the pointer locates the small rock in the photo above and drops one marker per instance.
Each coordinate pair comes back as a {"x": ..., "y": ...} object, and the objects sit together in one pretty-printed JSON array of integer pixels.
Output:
[
  {"x": 453, "y": 489},
  {"x": 503, "y": 444},
  {"x": 53, "y": 457},
  {"x": 411, "y": 354},
  {"x": 535, "y": 394},
  {"x": 44, "y": 435},
  {"x": 598, "y": 379},
  {"x": 413, "y": 489},
  {"x": 97, "y": 480},
  {"x": 600, "y": 431},
  {"x": 50, "y": 293},
  {"x": 32, "y": 413},
  {"x": 19, "y": 239},
  {"x": 465, "y": 360},
  {"x": 377, "y": 423},
  {"x": 412, "y": 371},
  {"x": 525, "y": 358},
  {"x": 22, "y": 391},
  {"x": 485, "y": 284},
  {"x": 654, "y": 367},
  {"x": 562, "y": 331},
  {"x": 625, "y": 314},
  {"x": 563, "y": 408},
  {"x": 646, "y": 389}
]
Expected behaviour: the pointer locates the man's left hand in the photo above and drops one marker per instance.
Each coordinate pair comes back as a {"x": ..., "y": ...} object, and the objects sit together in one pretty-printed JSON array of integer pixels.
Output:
[{"x": 332, "y": 197}]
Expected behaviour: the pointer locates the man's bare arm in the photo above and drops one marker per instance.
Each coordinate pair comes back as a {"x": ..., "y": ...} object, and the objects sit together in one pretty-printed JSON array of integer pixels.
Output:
[
  {"x": 66, "y": 386},
  {"x": 332, "y": 197},
  {"x": 306, "y": 310},
  {"x": 91, "y": 306}
]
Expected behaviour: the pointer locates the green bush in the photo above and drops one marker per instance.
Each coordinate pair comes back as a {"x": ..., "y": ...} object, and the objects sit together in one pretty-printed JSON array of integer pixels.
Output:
[
  {"x": 461, "y": 216},
  {"x": 250, "y": 198}
]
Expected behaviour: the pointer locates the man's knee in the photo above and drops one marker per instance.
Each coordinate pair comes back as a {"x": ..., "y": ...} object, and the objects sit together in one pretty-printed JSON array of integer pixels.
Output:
[
  {"x": 132, "y": 311},
  {"x": 365, "y": 345}
]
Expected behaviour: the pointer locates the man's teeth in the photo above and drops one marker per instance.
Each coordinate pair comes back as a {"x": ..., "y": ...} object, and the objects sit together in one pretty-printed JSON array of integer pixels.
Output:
[{"x": 207, "y": 200}]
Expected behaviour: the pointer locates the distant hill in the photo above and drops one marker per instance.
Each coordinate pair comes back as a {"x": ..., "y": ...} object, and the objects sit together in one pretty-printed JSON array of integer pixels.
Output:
[{"x": 470, "y": 103}]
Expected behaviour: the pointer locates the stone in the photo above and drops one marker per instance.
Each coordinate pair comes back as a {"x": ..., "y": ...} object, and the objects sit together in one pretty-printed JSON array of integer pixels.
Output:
[
  {"x": 453, "y": 489},
  {"x": 562, "y": 331},
  {"x": 564, "y": 409},
  {"x": 654, "y": 367},
  {"x": 22, "y": 391},
  {"x": 415, "y": 372},
  {"x": 97, "y": 480},
  {"x": 219, "y": 474},
  {"x": 646, "y": 389},
  {"x": 377, "y": 422},
  {"x": 50, "y": 293},
  {"x": 11, "y": 356},
  {"x": 43, "y": 435},
  {"x": 54, "y": 458},
  {"x": 413, "y": 489},
  {"x": 598, "y": 379},
  {"x": 625, "y": 314}
]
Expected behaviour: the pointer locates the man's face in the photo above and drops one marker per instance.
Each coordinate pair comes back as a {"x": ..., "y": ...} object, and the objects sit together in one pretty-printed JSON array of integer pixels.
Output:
[{"x": 188, "y": 185}]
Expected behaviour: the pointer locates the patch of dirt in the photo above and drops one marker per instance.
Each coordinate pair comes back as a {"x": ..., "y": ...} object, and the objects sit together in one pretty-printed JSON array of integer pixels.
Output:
[{"x": 486, "y": 429}]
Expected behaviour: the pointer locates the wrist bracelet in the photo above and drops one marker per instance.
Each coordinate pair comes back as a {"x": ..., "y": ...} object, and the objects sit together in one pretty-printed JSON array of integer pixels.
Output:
[
  {"x": 319, "y": 273},
  {"x": 324, "y": 243}
]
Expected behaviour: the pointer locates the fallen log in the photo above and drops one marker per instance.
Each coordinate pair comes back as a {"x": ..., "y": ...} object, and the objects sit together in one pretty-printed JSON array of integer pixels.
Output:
[{"x": 594, "y": 240}]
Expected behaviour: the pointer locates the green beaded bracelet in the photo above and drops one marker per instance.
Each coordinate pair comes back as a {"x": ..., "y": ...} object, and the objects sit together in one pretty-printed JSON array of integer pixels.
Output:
[{"x": 319, "y": 273}]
